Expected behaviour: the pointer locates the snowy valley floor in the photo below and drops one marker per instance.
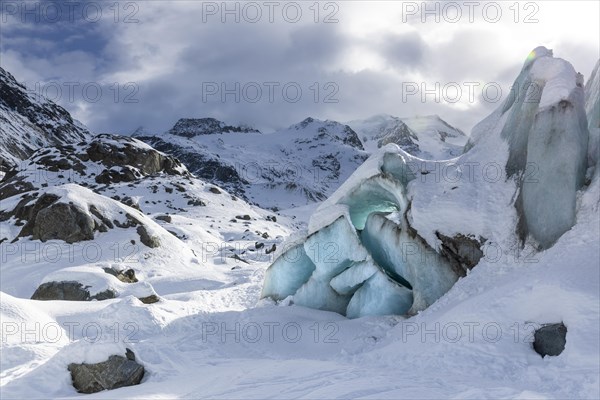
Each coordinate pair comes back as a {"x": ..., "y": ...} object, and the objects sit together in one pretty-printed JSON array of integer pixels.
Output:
[{"x": 223, "y": 342}]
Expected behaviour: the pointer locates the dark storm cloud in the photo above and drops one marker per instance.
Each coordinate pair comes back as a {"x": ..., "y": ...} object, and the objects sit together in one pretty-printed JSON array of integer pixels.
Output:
[
  {"x": 402, "y": 50},
  {"x": 167, "y": 65}
]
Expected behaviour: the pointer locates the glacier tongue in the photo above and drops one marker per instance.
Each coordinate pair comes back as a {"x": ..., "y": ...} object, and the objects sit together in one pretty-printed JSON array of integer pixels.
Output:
[{"x": 364, "y": 263}]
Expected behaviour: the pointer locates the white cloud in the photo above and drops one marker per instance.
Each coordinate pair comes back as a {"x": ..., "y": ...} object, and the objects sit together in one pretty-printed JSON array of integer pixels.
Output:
[{"x": 179, "y": 45}]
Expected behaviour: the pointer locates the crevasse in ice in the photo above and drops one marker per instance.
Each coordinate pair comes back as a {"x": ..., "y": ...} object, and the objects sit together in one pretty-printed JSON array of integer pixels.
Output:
[{"x": 388, "y": 240}]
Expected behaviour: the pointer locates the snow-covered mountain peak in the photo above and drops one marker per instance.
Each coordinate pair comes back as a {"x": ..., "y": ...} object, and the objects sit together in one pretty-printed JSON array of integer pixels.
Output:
[
  {"x": 321, "y": 129},
  {"x": 29, "y": 121},
  {"x": 427, "y": 137},
  {"x": 190, "y": 127}
]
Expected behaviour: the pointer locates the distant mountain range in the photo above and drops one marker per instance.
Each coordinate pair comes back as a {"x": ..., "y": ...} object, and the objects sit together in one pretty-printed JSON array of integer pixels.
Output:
[{"x": 303, "y": 163}]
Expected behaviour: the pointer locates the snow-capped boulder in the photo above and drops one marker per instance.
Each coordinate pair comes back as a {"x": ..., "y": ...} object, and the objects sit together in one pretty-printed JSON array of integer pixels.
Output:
[
  {"x": 64, "y": 222},
  {"x": 118, "y": 371},
  {"x": 69, "y": 290},
  {"x": 93, "y": 282},
  {"x": 550, "y": 339},
  {"x": 72, "y": 213}
]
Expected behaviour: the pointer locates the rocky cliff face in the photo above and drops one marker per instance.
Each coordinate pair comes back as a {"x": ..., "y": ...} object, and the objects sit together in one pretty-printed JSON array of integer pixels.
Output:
[
  {"x": 29, "y": 122},
  {"x": 190, "y": 127}
]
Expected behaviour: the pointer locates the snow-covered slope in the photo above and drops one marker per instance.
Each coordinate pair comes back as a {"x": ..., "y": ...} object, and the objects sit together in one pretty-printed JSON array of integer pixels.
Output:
[
  {"x": 209, "y": 335},
  {"x": 85, "y": 214},
  {"x": 289, "y": 168},
  {"x": 427, "y": 137},
  {"x": 29, "y": 122},
  {"x": 130, "y": 204}
]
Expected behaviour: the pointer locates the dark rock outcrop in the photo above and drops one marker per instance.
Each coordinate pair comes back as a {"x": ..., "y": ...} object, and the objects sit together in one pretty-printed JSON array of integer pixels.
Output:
[
  {"x": 125, "y": 276},
  {"x": 116, "y": 372},
  {"x": 69, "y": 290},
  {"x": 550, "y": 339},
  {"x": 128, "y": 153},
  {"x": 204, "y": 166},
  {"x": 146, "y": 238},
  {"x": 165, "y": 218},
  {"x": 462, "y": 250},
  {"x": 64, "y": 222},
  {"x": 190, "y": 127},
  {"x": 149, "y": 299}
]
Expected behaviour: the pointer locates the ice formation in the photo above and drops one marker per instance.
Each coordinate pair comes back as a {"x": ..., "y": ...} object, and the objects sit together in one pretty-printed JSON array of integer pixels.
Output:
[
  {"x": 388, "y": 241},
  {"x": 592, "y": 110}
]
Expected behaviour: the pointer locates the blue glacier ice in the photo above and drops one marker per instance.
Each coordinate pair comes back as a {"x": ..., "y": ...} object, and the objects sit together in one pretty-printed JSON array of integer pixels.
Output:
[
  {"x": 332, "y": 249},
  {"x": 380, "y": 295},
  {"x": 392, "y": 238},
  {"x": 409, "y": 260},
  {"x": 352, "y": 278},
  {"x": 288, "y": 272},
  {"x": 592, "y": 110}
]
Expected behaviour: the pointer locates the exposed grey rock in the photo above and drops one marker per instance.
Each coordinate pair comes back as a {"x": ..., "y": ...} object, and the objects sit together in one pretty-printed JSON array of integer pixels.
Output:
[
  {"x": 146, "y": 238},
  {"x": 124, "y": 174},
  {"x": 47, "y": 220},
  {"x": 550, "y": 339},
  {"x": 149, "y": 299},
  {"x": 116, "y": 372},
  {"x": 197, "y": 202},
  {"x": 69, "y": 290},
  {"x": 166, "y": 218},
  {"x": 119, "y": 151},
  {"x": 104, "y": 160},
  {"x": 64, "y": 222},
  {"x": 126, "y": 275},
  {"x": 14, "y": 187},
  {"x": 462, "y": 250},
  {"x": 190, "y": 127}
]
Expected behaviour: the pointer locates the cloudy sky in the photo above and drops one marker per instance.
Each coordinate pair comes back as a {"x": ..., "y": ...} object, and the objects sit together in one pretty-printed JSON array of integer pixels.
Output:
[{"x": 269, "y": 64}]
